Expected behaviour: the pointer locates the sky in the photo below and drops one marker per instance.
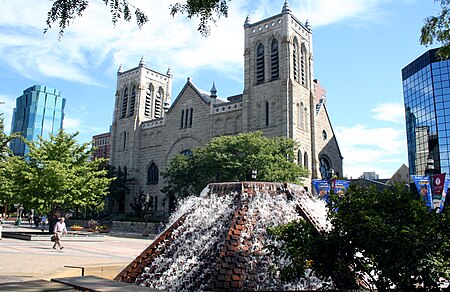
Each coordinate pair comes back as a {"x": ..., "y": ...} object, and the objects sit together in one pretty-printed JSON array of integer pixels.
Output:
[{"x": 359, "y": 49}]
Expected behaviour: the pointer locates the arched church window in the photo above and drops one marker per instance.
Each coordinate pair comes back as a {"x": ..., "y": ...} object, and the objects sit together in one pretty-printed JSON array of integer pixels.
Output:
[
  {"x": 158, "y": 103},
  {"x": 325, "y": 168},
  {"x": 152, "y": 174},
  {"x": 124, "y": 136},
  {"x": 305, "y": 160},
  {"x": 260, "y": 64},
  {"x": 274, "y": 65},
  {"x": 124, "y": 102},
  {"x": 305, "y": 117},
  {"x": 186, "y": 152},
  {"x": 182, "y": 118},
  {"x": 295, "y": 59},
  {"x": 132, "y": 100},
  {"x": 301, "y": 116},
  {"x": 267, "y": 113},
  {"x": 190, "y": 117},
  {"x": 299, "y": 157},
  {"x": 303, "y": 65},
  {"x": 148, "y": 101}
]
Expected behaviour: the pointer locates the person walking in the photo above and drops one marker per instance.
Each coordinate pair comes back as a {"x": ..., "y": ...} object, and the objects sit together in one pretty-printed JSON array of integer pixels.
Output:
[{"x": 59, "y": 230}]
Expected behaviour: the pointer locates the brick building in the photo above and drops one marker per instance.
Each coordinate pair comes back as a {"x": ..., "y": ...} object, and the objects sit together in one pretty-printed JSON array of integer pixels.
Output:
[{"x": 102, "y": 144}]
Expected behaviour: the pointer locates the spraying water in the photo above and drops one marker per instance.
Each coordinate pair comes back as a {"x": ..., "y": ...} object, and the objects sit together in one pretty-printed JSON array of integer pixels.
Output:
[{"x": 216, "y": 241}]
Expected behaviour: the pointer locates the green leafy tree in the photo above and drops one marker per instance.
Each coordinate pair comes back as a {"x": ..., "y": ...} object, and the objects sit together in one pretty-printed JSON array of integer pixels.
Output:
[
  {"x": 233, "y": 158},
  {"x": 65, "y": 11},
  {"x": 119, "y": 186},
  {"x": 4, "y": 140},
  {"x": 7, "y": 170},
  {"x": 389, "y": 237},
  {"x": 436, "y": 29},
  {"x": 207, "y": 11},
  {"x": 58, "y": 174}
]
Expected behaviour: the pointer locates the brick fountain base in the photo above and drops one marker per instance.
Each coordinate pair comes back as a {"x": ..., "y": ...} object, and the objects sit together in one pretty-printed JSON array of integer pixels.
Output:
[{"x": 217, "y": 243}]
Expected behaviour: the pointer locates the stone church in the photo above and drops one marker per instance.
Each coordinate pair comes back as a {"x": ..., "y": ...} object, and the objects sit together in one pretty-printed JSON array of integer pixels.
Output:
[{"x": 280, "y": 98}]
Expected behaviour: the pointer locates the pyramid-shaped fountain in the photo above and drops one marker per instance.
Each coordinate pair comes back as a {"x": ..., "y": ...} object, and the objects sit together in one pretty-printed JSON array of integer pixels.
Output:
[{"x": 216, "y": 241}]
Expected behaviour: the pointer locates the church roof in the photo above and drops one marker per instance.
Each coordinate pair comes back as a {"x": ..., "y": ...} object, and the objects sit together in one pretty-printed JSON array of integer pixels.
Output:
[
  {"x": 203, "y": 94},
  {"x": 206, "y": 96}
]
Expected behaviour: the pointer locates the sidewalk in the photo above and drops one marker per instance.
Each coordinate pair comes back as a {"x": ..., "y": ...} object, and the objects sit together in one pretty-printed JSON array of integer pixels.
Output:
[{"x": 23, "y": 260}]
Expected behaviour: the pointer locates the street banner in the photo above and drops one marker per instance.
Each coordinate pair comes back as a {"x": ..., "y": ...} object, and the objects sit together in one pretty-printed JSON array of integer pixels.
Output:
[
  {"x": 340, "y": 187},
  {"x": 322, "y": 188},
  {"x": 438, "y": 184},
  {"x": 444, "y": 193},
  {"x": 422, "y": 183}
]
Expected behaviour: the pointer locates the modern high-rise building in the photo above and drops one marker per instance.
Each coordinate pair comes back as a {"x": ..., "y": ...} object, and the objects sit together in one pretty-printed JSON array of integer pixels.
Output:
[
  {"x": 426, "y": 91},
  {"x": 39, "y": 111}
]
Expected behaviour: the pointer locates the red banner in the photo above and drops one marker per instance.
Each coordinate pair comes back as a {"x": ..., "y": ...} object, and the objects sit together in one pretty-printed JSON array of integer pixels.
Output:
[{"x": 438, "y": 183}]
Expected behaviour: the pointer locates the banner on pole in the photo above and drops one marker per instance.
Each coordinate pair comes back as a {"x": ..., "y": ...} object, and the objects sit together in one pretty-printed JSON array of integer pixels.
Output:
[
  {"x": 322, "y": 188},
  {"x": 422, "y": 183},
  {"x": 340, "y": 187},
  {"x": 444, "y": 194},
  {"x": 438, "y": 183}
]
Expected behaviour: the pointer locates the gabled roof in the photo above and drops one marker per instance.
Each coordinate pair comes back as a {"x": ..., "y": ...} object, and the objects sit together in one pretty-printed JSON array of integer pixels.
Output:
[
  {"x": 379, "y": 185},
  {"x": 204, "y": 95},
  {"x": 331, "y": 126}
]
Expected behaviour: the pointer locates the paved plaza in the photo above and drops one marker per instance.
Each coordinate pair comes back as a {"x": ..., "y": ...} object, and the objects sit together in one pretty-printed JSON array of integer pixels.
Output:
[{"x": 24, "y": 260}]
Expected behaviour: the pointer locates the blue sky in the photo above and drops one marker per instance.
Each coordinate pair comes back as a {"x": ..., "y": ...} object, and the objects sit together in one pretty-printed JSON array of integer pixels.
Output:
[{"x": 360, "y": 47}]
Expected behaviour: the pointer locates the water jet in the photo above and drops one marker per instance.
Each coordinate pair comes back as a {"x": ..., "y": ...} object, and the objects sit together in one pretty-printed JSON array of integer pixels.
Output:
[{"x": 216, "y": 241}]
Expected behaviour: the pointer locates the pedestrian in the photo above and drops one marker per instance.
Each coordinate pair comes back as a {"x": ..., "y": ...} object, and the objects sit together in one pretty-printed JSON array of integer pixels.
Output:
[
  {"x": 1, "y": 225},
  {"x": 29, "y": 219},
  {"x": 37, "y": 220},
  {"x": 43, "y": 220},
  {"x": 59, "y": 231}
]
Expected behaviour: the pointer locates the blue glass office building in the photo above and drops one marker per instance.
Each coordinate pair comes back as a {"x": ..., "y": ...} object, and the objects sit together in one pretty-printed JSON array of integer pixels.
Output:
[
  {"x": 426, "y": 91},
  {"x": 39, "y": 112}
]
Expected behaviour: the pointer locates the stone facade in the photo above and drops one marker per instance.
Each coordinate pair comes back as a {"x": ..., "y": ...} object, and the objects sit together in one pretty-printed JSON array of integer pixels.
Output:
[{"x": 280, "y": 98}]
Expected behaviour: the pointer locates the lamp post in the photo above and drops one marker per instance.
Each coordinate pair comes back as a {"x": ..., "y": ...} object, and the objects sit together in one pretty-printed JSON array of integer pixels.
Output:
[
  {"x": 331, "y": 178},
  {"x": 429, "y": 171},
  {"x": 254, "y": 174},
  {"x": 430, "y": 166},
  {"x": 146, "y": 199}
]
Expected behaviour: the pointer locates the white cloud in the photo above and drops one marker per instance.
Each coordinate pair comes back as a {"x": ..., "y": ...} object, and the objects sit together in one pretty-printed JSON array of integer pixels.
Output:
[
  {"x": 92, "y": 40},
  {"x": 390, "y": 112},
  {"x": 371, "y": 149}
]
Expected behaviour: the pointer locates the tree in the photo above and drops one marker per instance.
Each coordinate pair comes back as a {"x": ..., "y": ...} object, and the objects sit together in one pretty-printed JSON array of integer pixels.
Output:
[
  {"x": 4, "y": 140},
  {"x": 65, "y": 11},
  {"x": 233, "y": 158},
  {"x": 389, "y": 238},
  {"x": 437, "y": 29},
  {"x": 6, "y": 170},
  {"x": 57, "y": 174},
  {"x": 119, "y": 186},
  {"x": 204, "y": 10}
]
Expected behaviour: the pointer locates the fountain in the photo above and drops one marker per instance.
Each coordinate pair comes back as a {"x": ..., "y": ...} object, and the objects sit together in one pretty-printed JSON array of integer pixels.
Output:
[{"x": 216, "y": 241}]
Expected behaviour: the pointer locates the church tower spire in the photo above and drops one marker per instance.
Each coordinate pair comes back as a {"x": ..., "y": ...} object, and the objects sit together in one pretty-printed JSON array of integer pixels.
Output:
[
  {"x": 286, "y": 7},
  {"x": 142, "y": 62}
]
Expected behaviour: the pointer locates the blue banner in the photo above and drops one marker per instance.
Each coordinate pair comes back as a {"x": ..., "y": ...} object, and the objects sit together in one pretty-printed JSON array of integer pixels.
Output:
[
  {"x": 340, "y": 187},
  {"x": 322, "y": 188},
  {"x": 444, "y": 193},
  {"x": 422, "y": 183}
]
